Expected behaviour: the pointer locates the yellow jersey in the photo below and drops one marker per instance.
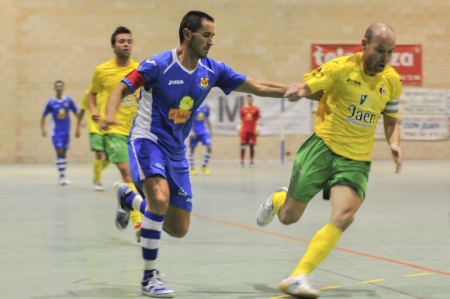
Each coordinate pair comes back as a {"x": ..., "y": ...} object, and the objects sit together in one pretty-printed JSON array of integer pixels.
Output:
[
  {"x": 92, "y": 125},
  {"x": 352, "y": 104},
  {"x": 105, "y": 79}
]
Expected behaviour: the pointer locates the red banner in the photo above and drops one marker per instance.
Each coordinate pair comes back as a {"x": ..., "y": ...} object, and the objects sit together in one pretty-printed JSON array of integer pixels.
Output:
[{"x": 406, "y": 59}]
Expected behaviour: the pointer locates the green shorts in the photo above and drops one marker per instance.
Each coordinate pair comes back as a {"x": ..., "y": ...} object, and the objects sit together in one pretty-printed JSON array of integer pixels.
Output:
[
  {"x": 116, "y": 148},
  {"x": 317, "y": 168},
  {"x": 97, "y": 142}
]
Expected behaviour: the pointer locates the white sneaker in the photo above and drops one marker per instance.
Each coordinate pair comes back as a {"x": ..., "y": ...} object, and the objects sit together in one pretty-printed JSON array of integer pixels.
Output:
[
  {"x": 99, "y": 187},
  {"x": 156, "y": 287},
  {"x": 265, "y": 213},
  {"x": 299, "y": 286},
  {"x": 64, "y": 181}
]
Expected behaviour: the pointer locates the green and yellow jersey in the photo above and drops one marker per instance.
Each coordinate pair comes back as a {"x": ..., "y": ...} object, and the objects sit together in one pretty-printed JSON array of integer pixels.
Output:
[
  {"x": 348, "y": 113},
  {"x": 92, "y": 125},
  {"x": 105, "y": 79}
]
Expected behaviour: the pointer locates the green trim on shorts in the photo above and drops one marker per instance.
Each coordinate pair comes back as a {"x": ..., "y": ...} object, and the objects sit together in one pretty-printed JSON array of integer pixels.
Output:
[
  {"x": 316, "y": 168},
  {"x": 116, "y": 148},
  {"x": 97, "y": 142}
]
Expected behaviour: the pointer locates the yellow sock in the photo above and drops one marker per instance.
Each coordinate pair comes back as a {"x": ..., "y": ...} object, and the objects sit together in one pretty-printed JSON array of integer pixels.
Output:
[
  {"x": 105, "y": 163},
  {"x": 97, "y": 167},
  {"x": 135, "y": 216},
  {"x": 320, "y": 246},
  {"x": 278, "y": 200}
]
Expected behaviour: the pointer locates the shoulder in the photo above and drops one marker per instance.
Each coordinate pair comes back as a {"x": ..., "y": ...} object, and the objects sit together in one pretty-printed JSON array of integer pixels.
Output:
[
  {"x": 348, "y": 62},
  {"x": 213, "y": 65},
  {"x": 394, "y": 80},
  {"x": 160, "y": 60},
  {"x": 134, "y": 63},
  {"x": 104, "y": 65},
  {"x": 391, "y": 74}
]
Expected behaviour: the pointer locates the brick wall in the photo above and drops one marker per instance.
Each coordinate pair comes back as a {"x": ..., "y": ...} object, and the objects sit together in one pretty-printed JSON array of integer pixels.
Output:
[{"x": 47, "y": 40}]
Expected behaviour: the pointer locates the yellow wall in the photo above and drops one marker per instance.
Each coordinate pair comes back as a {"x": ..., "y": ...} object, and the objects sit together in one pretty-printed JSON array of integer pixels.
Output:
[{"x": 46, "y": 40}]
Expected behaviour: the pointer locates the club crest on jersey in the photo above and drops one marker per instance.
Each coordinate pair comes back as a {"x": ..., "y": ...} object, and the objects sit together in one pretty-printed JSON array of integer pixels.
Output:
[{"x": 204, "y": 82}]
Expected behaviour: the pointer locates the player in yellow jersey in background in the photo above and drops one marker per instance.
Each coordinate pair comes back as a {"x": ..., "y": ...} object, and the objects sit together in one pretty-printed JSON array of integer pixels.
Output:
[
  {"x": 105, "y": 79},
  {"x": 96, "y": 142},
  {"x": 358, "y": 90}
]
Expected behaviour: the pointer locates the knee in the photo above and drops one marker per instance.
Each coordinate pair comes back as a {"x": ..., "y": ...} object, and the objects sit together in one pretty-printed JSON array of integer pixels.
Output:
[
  {"x": 343, "y": 220},
  {"x": 175, "y": 232},
  {"x": 288, "y": 218}
]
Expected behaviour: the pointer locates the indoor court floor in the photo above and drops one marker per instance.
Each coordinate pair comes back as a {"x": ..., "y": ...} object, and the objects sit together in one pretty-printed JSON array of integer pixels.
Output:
[{"x": 61, "y": 241}]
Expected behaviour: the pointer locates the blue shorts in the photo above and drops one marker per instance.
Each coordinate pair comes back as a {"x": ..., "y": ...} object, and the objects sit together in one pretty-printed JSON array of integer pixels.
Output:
[
  {"x": 148, "y": 159},
  {"x": 61, "y": 141},
  {"x": 205, "y": 139}
]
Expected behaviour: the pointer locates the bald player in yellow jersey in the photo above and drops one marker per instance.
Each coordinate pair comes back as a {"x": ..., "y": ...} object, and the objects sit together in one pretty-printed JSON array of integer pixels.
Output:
[
  {"x": 358, "y": 90},
  {"x": 105, "y": 79},
  {"x": 96, "y": 142}
]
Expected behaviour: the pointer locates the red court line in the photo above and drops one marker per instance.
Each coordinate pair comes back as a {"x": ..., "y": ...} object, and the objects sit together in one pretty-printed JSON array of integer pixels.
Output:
[{"x": 336, "y": 248}]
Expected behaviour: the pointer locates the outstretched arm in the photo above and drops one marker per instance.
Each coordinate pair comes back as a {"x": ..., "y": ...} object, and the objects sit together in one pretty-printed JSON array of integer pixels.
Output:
[
  {"x": 392, "y": 132},
  {"x": 296, "y": 91},
  {"x": 262, "y": 88}
]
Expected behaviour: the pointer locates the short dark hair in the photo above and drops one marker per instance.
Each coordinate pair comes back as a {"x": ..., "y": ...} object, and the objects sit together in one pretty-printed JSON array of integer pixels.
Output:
[
  {"x": 58, "y": 81},
  {"x": 193, "y": 21},
  {"x": 119, "y": 30}
]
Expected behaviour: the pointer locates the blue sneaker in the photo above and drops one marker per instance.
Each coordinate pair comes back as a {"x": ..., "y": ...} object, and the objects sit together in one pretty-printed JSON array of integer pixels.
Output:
[
  {"x": 156, "y": 287},
  {"x": 122, "y": 212}
]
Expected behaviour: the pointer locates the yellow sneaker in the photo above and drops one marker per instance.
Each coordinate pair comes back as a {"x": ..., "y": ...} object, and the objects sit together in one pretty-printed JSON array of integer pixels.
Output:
[
  {"x": 193, "y": 172},
  {"x": 206, "y": 170}
]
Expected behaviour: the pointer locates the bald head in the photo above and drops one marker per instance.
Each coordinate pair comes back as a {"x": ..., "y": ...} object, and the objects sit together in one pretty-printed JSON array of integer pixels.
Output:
[
  {"x": 378, "y": 45},
  {"x": 379, "y": 29}
]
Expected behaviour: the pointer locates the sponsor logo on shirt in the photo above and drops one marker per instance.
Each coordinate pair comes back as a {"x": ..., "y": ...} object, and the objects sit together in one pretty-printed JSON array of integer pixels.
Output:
[
  {"x": 181, "y": 115},
  {"x": 176, "y": 82},
  {"x": 360, "y": 118},
  {"x": 62, "y": 113},
  {"x": 353, "y": 81}
]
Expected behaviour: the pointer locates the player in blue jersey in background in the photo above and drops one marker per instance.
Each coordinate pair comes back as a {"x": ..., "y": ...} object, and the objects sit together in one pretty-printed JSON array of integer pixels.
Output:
[
  {"x": 201, "y": 132},
  {"x": 59, "y": 107},
  {"x": 174, "y": 85}
]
